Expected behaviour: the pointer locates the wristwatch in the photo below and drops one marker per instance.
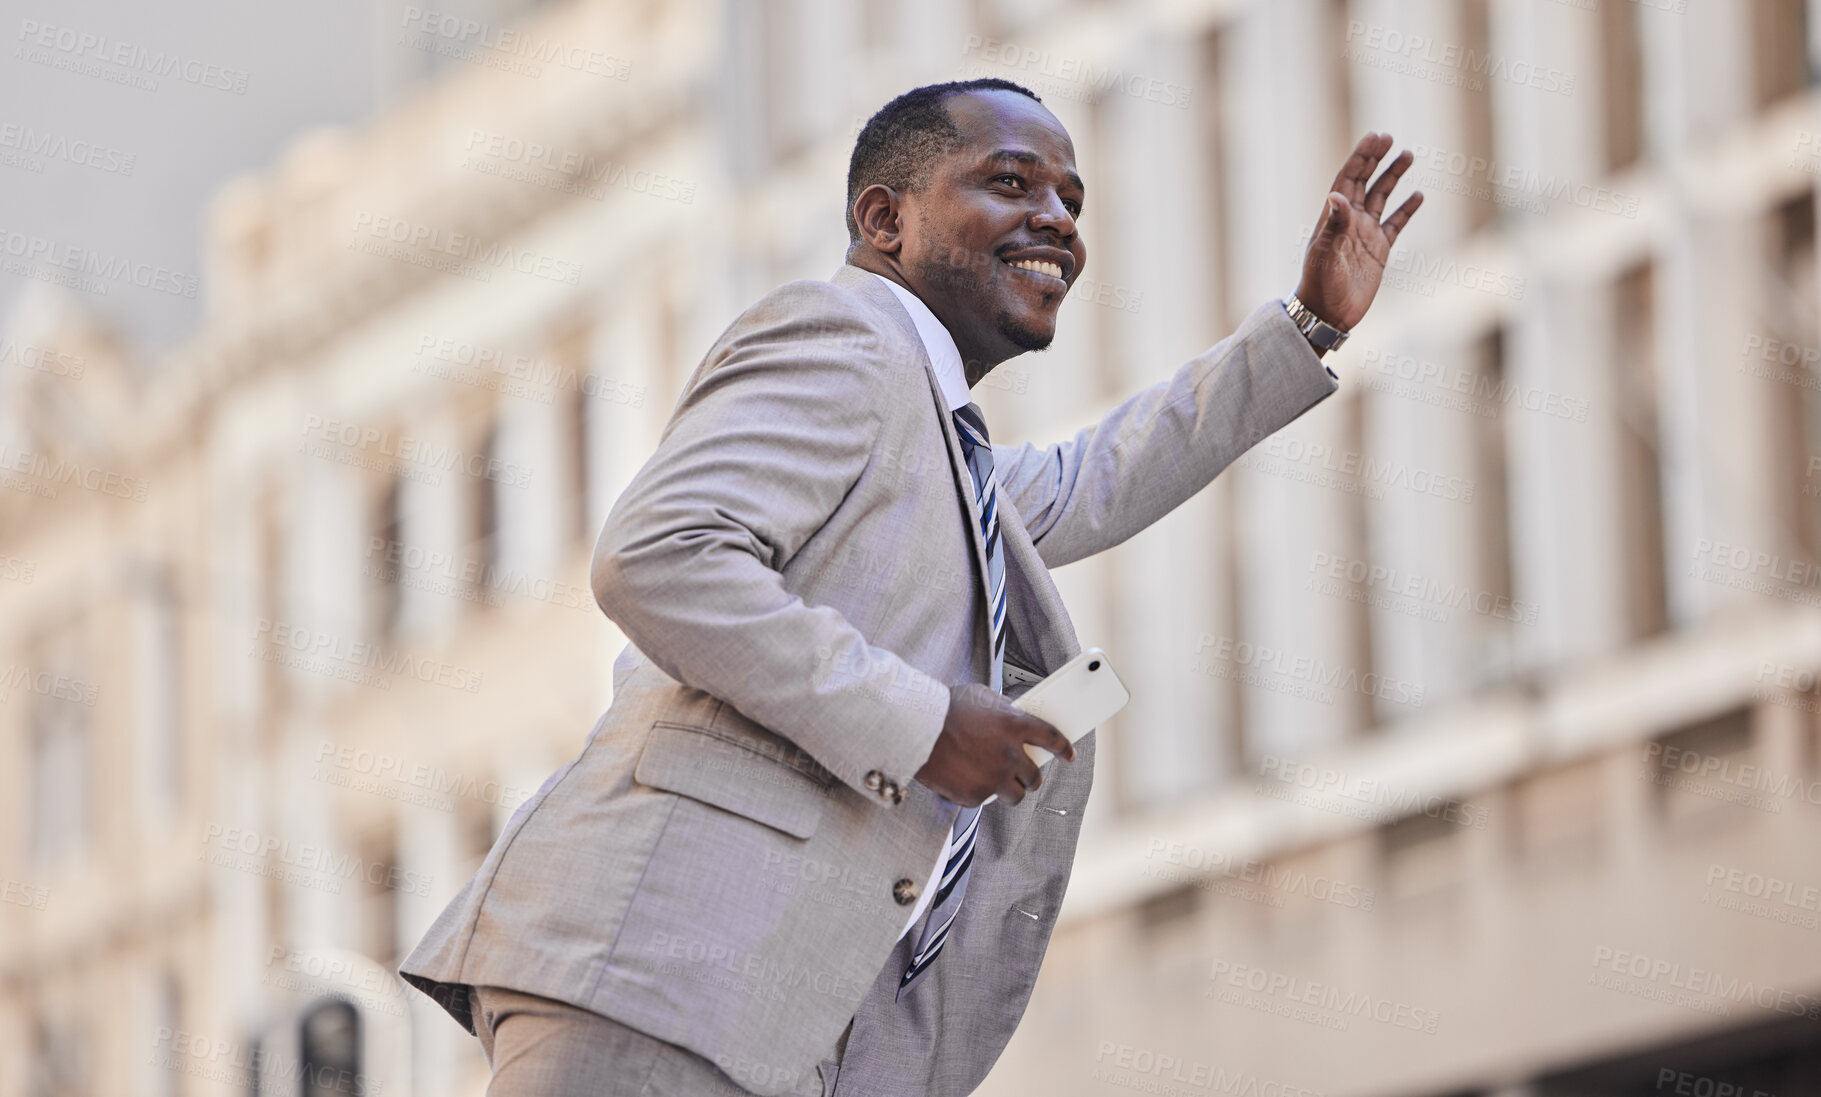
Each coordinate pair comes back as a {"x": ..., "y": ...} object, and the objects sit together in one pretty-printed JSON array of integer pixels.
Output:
[{"x": 1320, "y": 334}]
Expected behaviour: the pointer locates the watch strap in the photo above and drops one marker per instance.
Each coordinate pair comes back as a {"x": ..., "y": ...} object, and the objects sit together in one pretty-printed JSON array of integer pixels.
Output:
[{"x": 1320, "y": 334}]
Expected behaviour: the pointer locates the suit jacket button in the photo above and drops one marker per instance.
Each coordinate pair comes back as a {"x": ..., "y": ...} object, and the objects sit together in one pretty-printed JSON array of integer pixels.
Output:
[
  {"x": 905, "y": 891},
  {"x": 892, "y": 792},
  {"x": 897, "y": 795},
  {"x": 874, "y": 779}
]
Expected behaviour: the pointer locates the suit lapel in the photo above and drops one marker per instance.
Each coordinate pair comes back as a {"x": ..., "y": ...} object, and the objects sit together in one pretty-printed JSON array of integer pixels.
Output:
[
  {"x": 1038, "y": 631},
  {"x": 868, "y": 285},
  {"x": 1039, "y": 634}
]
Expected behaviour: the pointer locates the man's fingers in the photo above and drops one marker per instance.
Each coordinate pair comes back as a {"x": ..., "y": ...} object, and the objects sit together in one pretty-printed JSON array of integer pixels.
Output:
[
  {"x": 1357, "y": 171},
  {"x": 1042, "y": 733},
  {"x": 1395, "y": 223},
  {"x": 1387, "y": 182},
  {"x": 1027, "y": 773}
]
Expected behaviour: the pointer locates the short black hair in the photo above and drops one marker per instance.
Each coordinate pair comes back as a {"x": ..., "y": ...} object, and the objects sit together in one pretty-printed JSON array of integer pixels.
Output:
[{"x": 900, "y": 145}]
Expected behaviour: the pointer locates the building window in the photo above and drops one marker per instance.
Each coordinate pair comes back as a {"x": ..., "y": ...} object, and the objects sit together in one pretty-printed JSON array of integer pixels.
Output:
[
  {"x": 60, "y": 1060},
  {"x": 484, "y": 520},
  {"x": 1560, "y": 816},
  {"x": 1634, "y": 386},
  {"x": 583, "y": 415},
  {"x": 570, "y": 355},
  {"x": 789, "y": 79},
  {"x": 1371, "y": 708},
  {"x": 1421, "y": 855},
  {"x": 62, "y": 753},
  {"x": 165, "y": 1018},
  {"x": 379, "y": 903},
  {"x": 1623, "y": 75},
  {"x": 478, "y": 824},
  {"x": 1697, "y": 771},
  {"x": 1334, "y": 15},
  {"x": 385, "y": 561},
  {"x": 1212, "y": 108},
  {"x": 1476, "y": 108},
  {"x": 1779, "y": 30},
  {"x": 878, "y": 28},
  {"x": 1492, "y": 508},
  {"x": 329, "y": 1041},
  {"x": 1784, "y": 359},
  {"x": 157, "y": 685}
]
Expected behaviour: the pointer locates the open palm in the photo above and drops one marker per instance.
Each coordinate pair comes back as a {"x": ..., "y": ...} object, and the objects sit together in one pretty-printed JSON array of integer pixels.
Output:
[{"x": 1347, "y": 255}]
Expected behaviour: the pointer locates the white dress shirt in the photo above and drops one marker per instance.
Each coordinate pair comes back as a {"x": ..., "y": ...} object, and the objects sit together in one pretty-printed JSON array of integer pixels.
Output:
[{"x": 946, "y": 358}]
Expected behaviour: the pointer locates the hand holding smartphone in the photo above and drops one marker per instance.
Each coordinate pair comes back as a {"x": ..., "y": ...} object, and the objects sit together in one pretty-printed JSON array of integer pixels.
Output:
[{"x": 1082, "y": 694}]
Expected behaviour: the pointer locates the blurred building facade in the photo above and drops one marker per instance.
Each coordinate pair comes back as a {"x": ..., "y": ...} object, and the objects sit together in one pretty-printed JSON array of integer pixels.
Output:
[{"x": 1475, "y": 745}]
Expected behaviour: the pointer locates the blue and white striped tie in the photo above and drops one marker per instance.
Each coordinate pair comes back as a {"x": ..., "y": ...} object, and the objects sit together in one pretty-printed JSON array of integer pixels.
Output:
[{"x": 978, "y": 449}]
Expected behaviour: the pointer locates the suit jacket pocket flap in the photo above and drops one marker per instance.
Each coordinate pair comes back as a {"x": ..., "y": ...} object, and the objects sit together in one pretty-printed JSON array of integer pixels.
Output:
[{"x": 702, "y": 766}]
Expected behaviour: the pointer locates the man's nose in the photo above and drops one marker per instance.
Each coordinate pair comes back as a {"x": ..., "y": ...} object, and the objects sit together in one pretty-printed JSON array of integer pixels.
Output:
[{"x": 1054, "y": 217}]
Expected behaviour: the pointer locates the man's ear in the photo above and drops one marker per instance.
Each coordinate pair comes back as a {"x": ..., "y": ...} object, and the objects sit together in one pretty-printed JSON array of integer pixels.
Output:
[{"x": 877, "y": 212}]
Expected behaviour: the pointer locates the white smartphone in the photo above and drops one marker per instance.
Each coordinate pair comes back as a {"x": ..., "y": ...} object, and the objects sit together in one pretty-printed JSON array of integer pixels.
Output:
[{"x": 1082, "y": 694}]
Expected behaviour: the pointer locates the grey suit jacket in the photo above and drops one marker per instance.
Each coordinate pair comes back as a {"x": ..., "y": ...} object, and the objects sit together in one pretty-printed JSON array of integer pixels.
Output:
[{"x": 728, "y": 863}]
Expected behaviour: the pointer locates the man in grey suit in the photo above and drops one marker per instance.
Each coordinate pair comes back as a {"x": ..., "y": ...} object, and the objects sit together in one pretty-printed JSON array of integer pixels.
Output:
[{"x": 769, "y": 870}]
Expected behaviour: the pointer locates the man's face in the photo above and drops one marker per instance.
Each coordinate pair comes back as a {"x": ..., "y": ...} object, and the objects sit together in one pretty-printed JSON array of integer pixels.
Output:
[{"x": 1004, "y": 202}]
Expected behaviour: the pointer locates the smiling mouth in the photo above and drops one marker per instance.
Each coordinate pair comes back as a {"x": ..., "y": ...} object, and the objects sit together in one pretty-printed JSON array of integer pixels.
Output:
[{"x": 1041, "y": 270}]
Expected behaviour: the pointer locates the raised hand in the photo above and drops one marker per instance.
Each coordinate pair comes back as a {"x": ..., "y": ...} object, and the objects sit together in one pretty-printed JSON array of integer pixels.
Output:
[{"x": 1347, "y": 254}]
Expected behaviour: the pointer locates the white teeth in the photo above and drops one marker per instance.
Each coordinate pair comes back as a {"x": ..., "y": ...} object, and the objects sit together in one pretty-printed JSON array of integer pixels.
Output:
[{"x": 1041, "y": 267}]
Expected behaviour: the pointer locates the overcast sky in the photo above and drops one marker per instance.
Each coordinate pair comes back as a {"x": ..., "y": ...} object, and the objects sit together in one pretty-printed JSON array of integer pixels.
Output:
[{"x": 300, "y": 65}]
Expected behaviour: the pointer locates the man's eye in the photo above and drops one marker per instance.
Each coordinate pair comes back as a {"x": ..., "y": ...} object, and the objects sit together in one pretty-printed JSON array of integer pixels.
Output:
[
  {"x": 1074, "y": 208},
  {"x": 1009, "y": 180}
]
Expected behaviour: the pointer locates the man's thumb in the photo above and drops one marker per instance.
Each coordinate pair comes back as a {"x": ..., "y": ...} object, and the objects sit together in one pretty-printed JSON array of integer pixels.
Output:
[{"x": 1337, "y": 215}]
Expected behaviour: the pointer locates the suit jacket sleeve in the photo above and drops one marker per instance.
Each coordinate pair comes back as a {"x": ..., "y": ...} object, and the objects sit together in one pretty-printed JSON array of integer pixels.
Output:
[
  {"x": 1163, "y": 445},
  {"x": 764, "y": 446}
]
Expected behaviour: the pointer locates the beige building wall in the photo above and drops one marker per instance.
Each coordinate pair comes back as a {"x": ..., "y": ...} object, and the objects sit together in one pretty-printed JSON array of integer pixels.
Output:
[{"x": 1474, "y": 748}]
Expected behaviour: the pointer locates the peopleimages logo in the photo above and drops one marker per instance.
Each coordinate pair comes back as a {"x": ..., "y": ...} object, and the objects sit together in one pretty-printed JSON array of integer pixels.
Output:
[
  {"x": 93, "y": 269},
  {"x": 527, "y": 368},
  {"x": 1687, "y": 1084},
  {"x": 1352, "y": 465},
  {"x": 61, "y": 687},
  {"x": 1269, "y": 876},
  {"x": 570, "y": 164},
  {"x": 1669, "y": 760},
  {"x": 1672, "y": 976},
  {"x": 37, "y": 146},
  {"x": 1164, "y": 1067},
  {"x": 1756, "y": 562},
  {"x": 355, "y": 440},
  {"x": 464, "y": 247},
  {"x": 1098, "y": 79},
  {"x": 1523, "y": 181},
  {"x": 48, "y": 473},
  {"x": 357, "y": 661},
  {"x": 82, "y": 49},
  {"x": 1303, "y": 668},
  {"x": 1295, "y": 990},
  {"x": 1421, "y": 49},
  {"x": 1395, "y": 803},
  {"x": 1488, "y": 393},
  {"x": 1411, "y": 584},
  {"x": 473, "y": 39},
  {"x": 230, "y": 843},
  {"x": 1756, "y": 885}
]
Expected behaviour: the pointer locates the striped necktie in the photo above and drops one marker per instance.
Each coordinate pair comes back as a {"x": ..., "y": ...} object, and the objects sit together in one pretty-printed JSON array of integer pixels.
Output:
[{"x": 978, "y": 450}]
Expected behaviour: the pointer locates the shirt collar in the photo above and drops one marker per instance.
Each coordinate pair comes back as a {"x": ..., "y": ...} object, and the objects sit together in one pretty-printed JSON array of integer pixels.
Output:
[{"x": 937, "y": 343}]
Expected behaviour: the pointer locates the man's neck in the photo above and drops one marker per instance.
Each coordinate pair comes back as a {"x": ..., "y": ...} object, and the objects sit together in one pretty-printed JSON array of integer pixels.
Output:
[{"x": 973, "y": 364}]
